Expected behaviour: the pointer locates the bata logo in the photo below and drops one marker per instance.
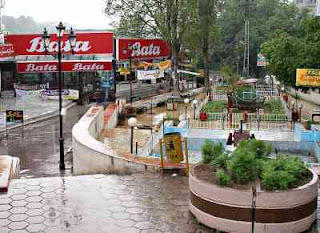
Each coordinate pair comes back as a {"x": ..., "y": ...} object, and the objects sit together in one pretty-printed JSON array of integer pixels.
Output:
[
  {"x": 36, "y": 45},
  {"x": 39, "y": 68},
  {"x": 94, "y": 66},
  {"x": 150, "y": 50}
]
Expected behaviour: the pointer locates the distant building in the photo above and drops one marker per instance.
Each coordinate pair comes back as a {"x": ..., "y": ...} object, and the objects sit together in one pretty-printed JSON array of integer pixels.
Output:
[{"x": 310, "y": 4}]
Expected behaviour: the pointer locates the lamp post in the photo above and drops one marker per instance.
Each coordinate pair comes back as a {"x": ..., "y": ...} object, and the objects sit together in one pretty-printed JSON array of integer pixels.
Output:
[
  {"x": 132, "y": 122},
  {"x": 72, "y": 38},
  {"x": 194, "y": 103},
  {"x": 300, "y": 110},
  {"x": 186, "y": 101},
  {"x": 129, "y": 50}
]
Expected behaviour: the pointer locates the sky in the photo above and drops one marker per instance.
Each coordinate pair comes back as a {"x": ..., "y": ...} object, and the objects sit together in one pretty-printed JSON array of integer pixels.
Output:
[{"x": 80, "y": 13}]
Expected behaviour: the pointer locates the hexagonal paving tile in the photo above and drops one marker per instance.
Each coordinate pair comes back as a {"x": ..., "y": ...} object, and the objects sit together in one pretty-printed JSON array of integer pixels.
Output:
[
  {"x": 18, "y": 217},
  {"x": 18, "y": 197},
  {"x": 125, "y": 223},
  {"x": 47, "y": 189},
  {"x": 48, "y": 195},
  {"x": 117, "y": 208},
  {"x": 4, "y": 214},
  {"x": 4, "y": 230},
  {"x": 34, "y": 199},
  {"x": 145, "y": 225},
  {"x": 35, "y": 219},
  {"x": 17, "y": 191},
  {"x": 5, "y": 207},
  {"x": 135, "y": 210},
  {"x": 33, "y": 193},
  {"x": 36, "y": 227},
  {"x": 35, "y": 212},
  {"x": 5, "y": 201},
  {"x": 18, "y": 210},
  {"x": 4, "y": 222},
  {"x": 120, "y": 215},
  {"x": 34, "y": 205},
  {"x": 18, "y": 225},
  {"x": 35, "y": 187},
  {"x": 19, "y": 203}
]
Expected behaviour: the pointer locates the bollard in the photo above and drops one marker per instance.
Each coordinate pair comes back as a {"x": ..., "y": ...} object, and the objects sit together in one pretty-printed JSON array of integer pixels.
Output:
[{"x": 136, "y": 148}]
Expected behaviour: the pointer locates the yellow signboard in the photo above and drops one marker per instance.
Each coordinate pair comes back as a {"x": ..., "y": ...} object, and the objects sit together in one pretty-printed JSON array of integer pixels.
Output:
[
  {"x": 308, "y": 77},
  {"x": 173, "y": 147},
  {"x": 124, "y": 71}
]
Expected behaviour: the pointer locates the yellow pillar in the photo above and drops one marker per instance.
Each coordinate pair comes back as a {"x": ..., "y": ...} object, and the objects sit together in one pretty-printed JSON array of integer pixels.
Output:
[
  {"x": 187, "y": 155},
  {"x": 161, "y": 155}
]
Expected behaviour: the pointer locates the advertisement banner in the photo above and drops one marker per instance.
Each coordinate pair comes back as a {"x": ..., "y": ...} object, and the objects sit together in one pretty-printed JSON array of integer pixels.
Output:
[
  {"x": 308, "y": 77},
  {"x": 66, "y": 94},
  {"x": 149, "y": 74},
  {"x": 142, "y": 49},
  {"x": 6, "y": 50},
  {"x": 262, "y": 60},
  {"x": 14, "y": 116},
  {"x": 87, "y": 43},
  {"x": 67, "y": 66}
]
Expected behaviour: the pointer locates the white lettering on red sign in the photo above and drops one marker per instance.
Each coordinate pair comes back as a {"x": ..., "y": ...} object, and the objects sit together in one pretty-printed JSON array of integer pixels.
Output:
[
  {"x": 36, "y": 45},
  {"x": 150, "y": 50},
  {"x": 39, "y": 68},
  {"x": 94, "y": 66}
]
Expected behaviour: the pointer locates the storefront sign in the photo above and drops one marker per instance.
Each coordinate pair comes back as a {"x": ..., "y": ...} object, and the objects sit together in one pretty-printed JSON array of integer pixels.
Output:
[
  {"x": 142, "y": 49},
  {"x": 149, "y": 74},
  {"x": 87, "y": 43},
  {"x": 14, "y": 116},
  {"x": 66, "y": 94},
  {"x": 308, "y": 77},
  {"x": 66, "y": 66},
  {"x": 6, "y": 50}
]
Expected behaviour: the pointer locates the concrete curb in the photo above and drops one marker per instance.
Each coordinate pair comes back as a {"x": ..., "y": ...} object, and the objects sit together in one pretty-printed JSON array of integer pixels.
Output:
[{"x": 40, "y": 118}]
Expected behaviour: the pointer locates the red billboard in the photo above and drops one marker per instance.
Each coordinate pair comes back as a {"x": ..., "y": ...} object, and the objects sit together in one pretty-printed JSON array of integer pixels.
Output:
[
  {"x": 87, "y": 43},
  {"x": 6, "y": 50},
  {"x": 142, "y": 49},
  {"x": 66, "y": 66}
]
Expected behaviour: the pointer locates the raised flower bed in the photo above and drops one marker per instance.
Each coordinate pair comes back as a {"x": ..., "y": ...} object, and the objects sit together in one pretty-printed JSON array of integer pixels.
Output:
[{"x": 222, "y": 195}]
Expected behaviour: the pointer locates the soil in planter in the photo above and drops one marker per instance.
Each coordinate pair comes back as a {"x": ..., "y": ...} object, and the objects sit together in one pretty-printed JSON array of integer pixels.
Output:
[{"x": 206, "y": 173}]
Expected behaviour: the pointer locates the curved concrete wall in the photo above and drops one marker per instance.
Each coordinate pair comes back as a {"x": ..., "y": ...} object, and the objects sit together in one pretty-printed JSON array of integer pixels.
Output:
[
  {"x": 230, "y": 209},
  {"x": 91, "y": 156}
]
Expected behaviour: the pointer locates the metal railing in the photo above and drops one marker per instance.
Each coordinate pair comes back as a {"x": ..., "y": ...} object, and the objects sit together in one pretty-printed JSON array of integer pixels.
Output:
[{"x": 251, "y": 117}]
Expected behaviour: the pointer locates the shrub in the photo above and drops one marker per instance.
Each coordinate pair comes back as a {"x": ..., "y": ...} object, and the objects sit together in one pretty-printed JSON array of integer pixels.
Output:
[
  {"x": 222, "y": 178},
  {"x": 220, "y": 161},
  {"x": 259, "y": 148},
  {"x": 274, "y": 106},
  {"x": 175, "y": 120},
  {"x": 284, "y": 173},
  {"x": 243, "y": 166},
  {"x": 211, "y": 150},
  {"x": 214, "y": 106}
]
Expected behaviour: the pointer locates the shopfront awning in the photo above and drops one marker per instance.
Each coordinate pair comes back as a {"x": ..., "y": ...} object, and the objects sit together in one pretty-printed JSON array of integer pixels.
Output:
[{"x": 66, "y": 66}]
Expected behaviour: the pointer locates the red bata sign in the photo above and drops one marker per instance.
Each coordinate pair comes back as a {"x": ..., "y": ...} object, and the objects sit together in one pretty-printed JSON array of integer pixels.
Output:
[
  {"x": 6, "y": 50},
  {"x": 142, "y": 49},
  {"x": 67, "y": 66},
  {"x": 87, "y": 43}
]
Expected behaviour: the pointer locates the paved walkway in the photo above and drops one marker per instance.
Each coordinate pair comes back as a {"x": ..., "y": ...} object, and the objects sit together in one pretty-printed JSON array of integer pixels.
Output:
[{"x": 100, "y": 203}]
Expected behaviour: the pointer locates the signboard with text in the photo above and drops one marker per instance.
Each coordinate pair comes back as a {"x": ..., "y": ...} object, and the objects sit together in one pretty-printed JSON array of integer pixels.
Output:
[
  {"x": 262, "y": 60},
  {"x": 149, "y": 74},
  {"x": 87, "y": 43},
  {"x": 142, "y": 49},
  {"x": 308, "y": 77},
  {"x": 14, "y": 116},
  {"x": 67, "y": 66}
]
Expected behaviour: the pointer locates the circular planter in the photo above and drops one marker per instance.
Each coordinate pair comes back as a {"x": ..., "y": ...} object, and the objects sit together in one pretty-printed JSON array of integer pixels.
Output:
[{"x": 230, "y": 210}]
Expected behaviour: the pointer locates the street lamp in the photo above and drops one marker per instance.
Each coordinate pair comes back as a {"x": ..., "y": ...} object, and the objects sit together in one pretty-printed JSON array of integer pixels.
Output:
[
  {"x": 194, "y": 103},
  {"x": 186, "y": 101},
  {"x": 72, "y": 38},
  {"x": 129, "y": 50},
  {"x": 132, "y": 122}
]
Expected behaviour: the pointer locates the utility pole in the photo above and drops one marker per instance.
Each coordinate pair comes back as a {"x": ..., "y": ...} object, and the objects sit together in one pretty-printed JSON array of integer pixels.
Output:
[{"x": 246, "y": 4}]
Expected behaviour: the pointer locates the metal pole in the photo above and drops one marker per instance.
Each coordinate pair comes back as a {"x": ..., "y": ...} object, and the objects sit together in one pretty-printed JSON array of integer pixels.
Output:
[
  {"x": 130, "y": 77},
  {"x": 194, "y": 112},
  {"x": 131, "y": 145},
  {"x": 185, "y": 113},
  {"x": 253, "y": 210},
  {"x": 61, "y": 140}
]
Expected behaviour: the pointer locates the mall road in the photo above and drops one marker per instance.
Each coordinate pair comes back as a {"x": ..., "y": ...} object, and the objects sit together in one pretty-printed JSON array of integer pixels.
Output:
[{"x": 38, "y": 146}]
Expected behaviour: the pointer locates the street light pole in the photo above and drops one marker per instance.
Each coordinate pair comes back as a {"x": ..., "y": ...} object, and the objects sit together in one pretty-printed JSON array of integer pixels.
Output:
[
  {"x": 61, "y": 139},
  {"x": 130, "y": 76}
]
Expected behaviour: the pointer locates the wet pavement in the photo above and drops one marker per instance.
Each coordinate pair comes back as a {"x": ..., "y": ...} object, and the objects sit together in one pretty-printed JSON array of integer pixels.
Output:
[
  {"x": 100, "y": 203},
  {"x": 37, "y": 145}
]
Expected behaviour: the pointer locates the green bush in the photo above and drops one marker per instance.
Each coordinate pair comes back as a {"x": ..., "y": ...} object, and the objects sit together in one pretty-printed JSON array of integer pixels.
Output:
[
  {"x": 243, "y": 166},
  {"x": 222, "y": 178},
  {"x": 175, "y": 120},
  {"x": 259, "y": 148},
  {"x": 220, "y": 161},
  {"x": 284, "y": 173},
  {"x": 214, "y": 106},
  {"x": 274, "y": 106},
  {"x": 211, "y": 150}
]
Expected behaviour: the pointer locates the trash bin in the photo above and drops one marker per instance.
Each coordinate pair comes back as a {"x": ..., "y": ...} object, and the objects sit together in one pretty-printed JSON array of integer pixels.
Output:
[{"x": 172, "y": 142}]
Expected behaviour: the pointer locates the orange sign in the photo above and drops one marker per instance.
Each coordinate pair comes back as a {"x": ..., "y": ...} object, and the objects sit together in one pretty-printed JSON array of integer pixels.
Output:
[{"x": 308, "y": 77}]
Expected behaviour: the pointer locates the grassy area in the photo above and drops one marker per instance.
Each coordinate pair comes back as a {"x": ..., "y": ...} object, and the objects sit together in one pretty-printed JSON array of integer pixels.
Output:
[
  {"x": 214, "y": 106},
  {"x": 273, "y": 106}
]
